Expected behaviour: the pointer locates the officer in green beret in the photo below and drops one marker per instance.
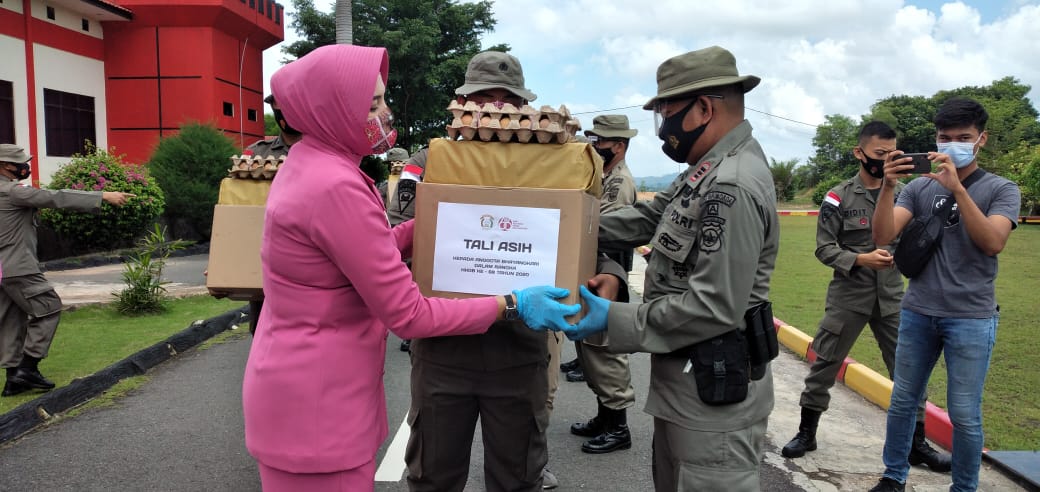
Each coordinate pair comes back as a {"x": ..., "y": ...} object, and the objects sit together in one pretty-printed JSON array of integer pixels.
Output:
[{"x": 715, "y": 236}]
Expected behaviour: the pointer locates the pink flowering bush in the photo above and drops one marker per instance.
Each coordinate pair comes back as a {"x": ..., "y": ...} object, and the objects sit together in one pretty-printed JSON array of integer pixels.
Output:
[{"x": 115, "y": 227}]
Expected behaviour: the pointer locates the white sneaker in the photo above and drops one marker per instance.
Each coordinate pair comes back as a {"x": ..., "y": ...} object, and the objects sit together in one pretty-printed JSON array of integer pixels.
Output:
[{"x": 549, "y": 480}]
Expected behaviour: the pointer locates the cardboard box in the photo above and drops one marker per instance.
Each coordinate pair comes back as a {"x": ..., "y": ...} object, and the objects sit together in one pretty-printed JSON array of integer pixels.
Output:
[
  {"x": 243, "y": 191},
  {"x": 569, "y": 166},
  {"x": 484, "y": 240},
  {"x": 234, "y": 253}
]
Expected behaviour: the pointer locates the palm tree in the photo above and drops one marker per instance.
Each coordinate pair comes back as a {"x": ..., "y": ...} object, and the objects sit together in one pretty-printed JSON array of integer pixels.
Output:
[{"x": 344, "y": 22}]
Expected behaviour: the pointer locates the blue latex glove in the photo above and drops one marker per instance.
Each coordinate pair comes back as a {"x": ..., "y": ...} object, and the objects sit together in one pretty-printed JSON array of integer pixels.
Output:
[
  {"x": 595, "y": 319},
  {"x": 540, "y": 310}
]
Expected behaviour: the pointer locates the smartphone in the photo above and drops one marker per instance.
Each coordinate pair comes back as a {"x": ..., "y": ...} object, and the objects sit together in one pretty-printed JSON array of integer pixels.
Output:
[{"x": 920, "y": 161}]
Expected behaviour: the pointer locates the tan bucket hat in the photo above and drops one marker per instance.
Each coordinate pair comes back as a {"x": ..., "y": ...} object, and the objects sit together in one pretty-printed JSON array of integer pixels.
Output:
[
  {"x": 13, "y": 153},
  {"x": 397, "y": 154},
  {"x": 611, "y": 126},
  {"x": 495, "y": 70},
  {"x": 689, "y": 72}
]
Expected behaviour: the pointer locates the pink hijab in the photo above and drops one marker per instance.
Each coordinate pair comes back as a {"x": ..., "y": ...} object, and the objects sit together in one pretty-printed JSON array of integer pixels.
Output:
[{"x": 326, "y": 95}]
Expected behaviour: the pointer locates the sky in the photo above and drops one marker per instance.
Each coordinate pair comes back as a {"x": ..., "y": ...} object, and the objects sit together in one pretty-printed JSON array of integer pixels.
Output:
[{"x": 815, "y": 57}]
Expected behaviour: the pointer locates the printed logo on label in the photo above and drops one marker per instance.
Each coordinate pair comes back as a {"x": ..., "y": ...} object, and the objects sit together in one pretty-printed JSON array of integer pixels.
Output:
[
  {"x": 487, "y": 221},
  {"x": 507, "y": 224}
]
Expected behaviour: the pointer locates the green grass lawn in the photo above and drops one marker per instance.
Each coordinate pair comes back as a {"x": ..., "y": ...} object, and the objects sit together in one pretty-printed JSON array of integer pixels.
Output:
[
  {"x": 1011, "y": 402},
  {"x": 94, "y": 337}
]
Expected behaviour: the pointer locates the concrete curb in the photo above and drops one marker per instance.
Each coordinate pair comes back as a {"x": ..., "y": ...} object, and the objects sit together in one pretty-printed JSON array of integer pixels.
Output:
[
  {"x": 867, "y": 382},
  {"x": 31, "y": 414},
  {"x": 878, "y": 389}
]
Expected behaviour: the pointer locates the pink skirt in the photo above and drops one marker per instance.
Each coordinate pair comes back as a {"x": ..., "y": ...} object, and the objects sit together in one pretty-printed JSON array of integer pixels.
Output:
[{"x": 360, "y": 479}]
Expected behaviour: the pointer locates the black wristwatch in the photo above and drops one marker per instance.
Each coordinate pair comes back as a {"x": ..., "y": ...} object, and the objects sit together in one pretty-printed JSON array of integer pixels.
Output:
[{"x": 511, "y": 314}]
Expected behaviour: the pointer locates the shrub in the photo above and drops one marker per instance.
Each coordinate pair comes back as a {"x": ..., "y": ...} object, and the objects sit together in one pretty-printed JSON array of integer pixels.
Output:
[
  {"x": 189, "y": 166},
  {"x": 822, "y": 189},
  {"x": 145, "y": 292},
  {"x": 98, "y": 170}
]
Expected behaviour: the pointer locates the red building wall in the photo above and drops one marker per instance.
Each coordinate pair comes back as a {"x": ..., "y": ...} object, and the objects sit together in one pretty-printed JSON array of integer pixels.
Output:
[{"x": 180, "y": 61}]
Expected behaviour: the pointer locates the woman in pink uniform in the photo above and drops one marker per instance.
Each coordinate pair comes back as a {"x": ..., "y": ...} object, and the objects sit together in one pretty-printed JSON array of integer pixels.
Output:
[{"x": 315, "y": 409}]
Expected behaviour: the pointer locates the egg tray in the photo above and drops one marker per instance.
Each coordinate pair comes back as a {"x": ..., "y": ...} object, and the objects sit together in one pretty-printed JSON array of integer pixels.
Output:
[
  {"x": 254, "y": 166},
  {"x": 511, "y": 124}
]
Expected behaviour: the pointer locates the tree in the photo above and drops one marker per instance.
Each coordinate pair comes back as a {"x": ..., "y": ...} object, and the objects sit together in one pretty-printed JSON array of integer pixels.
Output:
[
  {"x": 189, "y": 167},
  {"x": 429, "y": 42},
  {"x": 1012, "y": 119},
  {"x": 834, "y": 141},
  {"x": 783, "y": 177},
  {"x": 270, "y": 126},
  {"x": 344, "y": 22},
  {"x": 1023, "y": 165}
]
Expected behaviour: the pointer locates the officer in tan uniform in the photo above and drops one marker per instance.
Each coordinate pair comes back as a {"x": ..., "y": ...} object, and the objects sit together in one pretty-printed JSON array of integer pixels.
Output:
[
  {"x": 395, "y": 158},
  {"x": 607, "y": 373},
  {"x": 29, "y": 307},
  {"x": 276, "y": 147},
  {"x": 866, "y": 288},
  {"x": 499, "y": 377},
  {"x": 715, "y": 235}
]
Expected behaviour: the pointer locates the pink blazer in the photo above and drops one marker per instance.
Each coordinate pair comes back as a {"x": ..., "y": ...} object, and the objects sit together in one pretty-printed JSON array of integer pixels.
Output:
[{"x": 334, "y": 283}]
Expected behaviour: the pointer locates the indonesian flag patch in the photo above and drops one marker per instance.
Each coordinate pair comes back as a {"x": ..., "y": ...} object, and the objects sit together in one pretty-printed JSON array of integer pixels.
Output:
[
  {"x": 412, "y": 172},
  {"x": 832, "y": 198}
]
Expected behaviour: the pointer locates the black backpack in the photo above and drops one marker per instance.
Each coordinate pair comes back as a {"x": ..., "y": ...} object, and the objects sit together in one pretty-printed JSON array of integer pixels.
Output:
[{"x": 922, "y": 235}]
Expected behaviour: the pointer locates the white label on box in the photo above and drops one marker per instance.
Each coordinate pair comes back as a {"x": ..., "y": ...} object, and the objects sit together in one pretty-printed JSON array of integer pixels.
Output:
[{"x": 493, "y": 249}]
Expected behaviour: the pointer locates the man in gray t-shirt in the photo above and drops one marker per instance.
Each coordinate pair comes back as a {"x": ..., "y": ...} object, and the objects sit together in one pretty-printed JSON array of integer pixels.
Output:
[
  {"x": 950, "y": 307},
  {"x": 958, "y": 281}
]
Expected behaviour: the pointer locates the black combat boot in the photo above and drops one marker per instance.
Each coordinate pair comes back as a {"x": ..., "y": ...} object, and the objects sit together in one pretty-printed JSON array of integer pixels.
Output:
[
  {"x": 615, "y": 436},
  {"x": 28, "y": 374},
  {"x": 888, "y": 485},
  {"x": 922, "y": 453},
  {"x": 595, "y": 426},
  {"x": 805, "y": 439},
  {"x": 12, "y": 388}
]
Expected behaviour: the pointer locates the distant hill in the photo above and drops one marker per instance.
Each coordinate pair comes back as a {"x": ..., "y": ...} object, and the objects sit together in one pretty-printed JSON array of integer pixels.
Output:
[{"x": 655, "y": 183}]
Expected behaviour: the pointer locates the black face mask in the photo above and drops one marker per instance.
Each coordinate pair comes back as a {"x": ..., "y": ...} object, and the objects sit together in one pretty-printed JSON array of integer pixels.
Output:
[
  {"x": 677, "y": 143},
  {"x": 282, "y": 124},
  {"x": 606, "y": 154},
  {"x": 874, "y": 167},
  {"x": 22, "y": 171}
]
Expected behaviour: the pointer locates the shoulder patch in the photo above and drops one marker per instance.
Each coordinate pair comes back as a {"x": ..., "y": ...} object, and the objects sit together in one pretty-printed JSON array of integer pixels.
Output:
[
  {"x": 719, "y": 196},
  {"x": 832, "y": 198}
]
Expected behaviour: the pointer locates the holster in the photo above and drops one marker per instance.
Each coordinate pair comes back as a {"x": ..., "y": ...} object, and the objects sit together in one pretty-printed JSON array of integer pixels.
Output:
[
  {"x": 720, "y": 367},
  {"x": 724, "y": 366},
  {"x": 761, "y": 338}
]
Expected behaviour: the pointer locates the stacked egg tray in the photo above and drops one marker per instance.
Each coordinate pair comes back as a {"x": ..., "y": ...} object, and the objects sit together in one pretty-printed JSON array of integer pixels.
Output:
[
  {"x": 254, "y": 166},
  {"x": 511, "y": 124}
]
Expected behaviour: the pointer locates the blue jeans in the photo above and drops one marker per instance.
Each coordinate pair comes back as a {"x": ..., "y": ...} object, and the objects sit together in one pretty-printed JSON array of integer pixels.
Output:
[{"x": 967, "y": 345}]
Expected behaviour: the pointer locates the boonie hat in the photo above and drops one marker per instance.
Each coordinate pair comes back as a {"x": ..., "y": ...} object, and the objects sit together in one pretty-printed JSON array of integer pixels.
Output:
[
  {"x": 495, "y": 70},
  {"x": 689, "y": 72},
  {"x": 397, "y": 154},
  {"x": 611, "y": 126},
  {"x": 13, "y": 153}
]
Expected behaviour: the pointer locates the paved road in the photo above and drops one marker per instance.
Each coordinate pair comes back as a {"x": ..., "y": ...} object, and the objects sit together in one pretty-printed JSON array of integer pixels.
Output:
[
  {"x": 91, "y": 285},
  {"x": 182, "y": 430}
]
